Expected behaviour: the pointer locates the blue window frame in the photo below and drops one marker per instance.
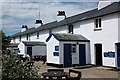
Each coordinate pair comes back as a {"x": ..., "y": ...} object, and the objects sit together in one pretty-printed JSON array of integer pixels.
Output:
[
  {"x": 56, "y": 48},
  {"x": 106, "y": 54},
  {"x": 111, "y": 54},
  {"x": 56, "y": 53}
]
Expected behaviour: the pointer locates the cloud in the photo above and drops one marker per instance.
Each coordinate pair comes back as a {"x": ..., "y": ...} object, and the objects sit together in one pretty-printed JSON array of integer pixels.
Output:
[
  {"x": 50, "y": 0},
  {"x": 15, "y": 14}
]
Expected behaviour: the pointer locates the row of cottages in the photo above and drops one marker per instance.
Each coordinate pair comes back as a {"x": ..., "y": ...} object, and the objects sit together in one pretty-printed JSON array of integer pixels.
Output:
[{"x": 91, "y": 37}]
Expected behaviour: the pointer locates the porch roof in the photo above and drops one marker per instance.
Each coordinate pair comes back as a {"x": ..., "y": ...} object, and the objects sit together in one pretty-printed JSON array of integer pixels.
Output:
[
  {"x": 68, "y": 37},
  {"x": 13, "y": 45},
  {"x": 33, "y": 43}
]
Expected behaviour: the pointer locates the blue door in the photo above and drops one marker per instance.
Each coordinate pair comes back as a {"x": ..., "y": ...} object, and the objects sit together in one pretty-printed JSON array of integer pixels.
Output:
[
  {"x": 118, "y": 55},
  {"x": 67, "y": 55},
  {"x": 82, "y": 54}
]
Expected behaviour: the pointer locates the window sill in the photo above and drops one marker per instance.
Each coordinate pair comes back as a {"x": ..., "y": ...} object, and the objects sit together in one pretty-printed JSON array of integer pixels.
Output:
[{"x": 97, "y": 29}]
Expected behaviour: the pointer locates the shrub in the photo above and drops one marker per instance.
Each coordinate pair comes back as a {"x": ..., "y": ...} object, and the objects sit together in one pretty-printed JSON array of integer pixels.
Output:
[{"x": 14, "y": 68}]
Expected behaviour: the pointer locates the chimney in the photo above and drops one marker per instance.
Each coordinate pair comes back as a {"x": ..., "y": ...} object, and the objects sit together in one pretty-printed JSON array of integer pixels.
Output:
[
  {"x": 61, "y": 15},
  {"x": 103, "y": 3},
  {"x": 24, "y": 28},
  {"x": 38, "y": 23}
]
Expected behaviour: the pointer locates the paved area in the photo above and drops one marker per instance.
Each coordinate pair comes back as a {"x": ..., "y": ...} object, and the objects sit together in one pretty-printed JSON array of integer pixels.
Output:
[{"x": 88, "y": 71}]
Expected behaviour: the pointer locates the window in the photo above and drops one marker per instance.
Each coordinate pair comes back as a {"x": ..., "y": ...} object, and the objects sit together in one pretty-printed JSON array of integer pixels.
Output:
[
  {"x": 56, "y": 48},
  {"x": 70, "y": 29},
  {"x": 50, "y": 31},
  {"x": 14, "y": 39},
  {"x": 27, "y": 36},
  {"x": 37, "y": 35},
  {"x": 98, "y": 23},
  {"x": 74, "y": 48},
  {"x": 20, "y": 38}
]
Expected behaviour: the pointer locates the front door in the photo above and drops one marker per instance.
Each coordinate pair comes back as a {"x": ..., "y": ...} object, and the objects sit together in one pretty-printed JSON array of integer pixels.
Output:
[
  {"x": 82, "y": 54},
  {"x": 29, "y": 50},
  {"x": 98, "y": 52},
  {"x": 118, "y": 55},
  {"x": 67, "y": 55}
]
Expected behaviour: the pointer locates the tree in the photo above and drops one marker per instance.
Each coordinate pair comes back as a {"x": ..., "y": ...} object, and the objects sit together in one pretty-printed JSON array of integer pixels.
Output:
[
  {"x": 4, "y": 40},
  {"x": 13, "y": 67}
]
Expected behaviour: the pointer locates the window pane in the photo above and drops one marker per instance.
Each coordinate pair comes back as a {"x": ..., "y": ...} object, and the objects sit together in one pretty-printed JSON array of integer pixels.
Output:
[
  {"x": 70, "y": 29},
  {"x": 27, "y": 36},
  {"x": 99, "y": 22},
  {"x": 74, "y": 48},
  {"x": 37, "y": 34},
  {"x": 20, "y": 38},
  {"x": 96, "y": 23},
  {"x": 50, "y": 31}
]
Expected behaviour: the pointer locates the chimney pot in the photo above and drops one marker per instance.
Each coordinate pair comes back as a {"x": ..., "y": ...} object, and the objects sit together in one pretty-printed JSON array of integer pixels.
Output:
[
  {"x": 61, "y": 15},
  {"x": 38, "y": 23},
  {"x": 24, "y": 28}
]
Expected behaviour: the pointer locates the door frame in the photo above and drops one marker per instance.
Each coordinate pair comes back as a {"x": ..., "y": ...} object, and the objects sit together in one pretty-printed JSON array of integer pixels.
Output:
[
  {"x": 116, "y": 56},
  {"x": 27, "y": 50},
  {"x": 95, "y": 52}
]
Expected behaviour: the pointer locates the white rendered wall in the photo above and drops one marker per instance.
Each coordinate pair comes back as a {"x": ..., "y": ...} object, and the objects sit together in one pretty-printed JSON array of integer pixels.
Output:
[
  {"x": 24, "y": 38},
  {"x": 50, "y": 49},
  {"x": 119, "y": 27},
  {"x": 39, "y": 50},
  {"x": 43, "y": 35},
  {"x": 107, "y": 36},
  {"x": 21, "y": 47},
  {"x": 17, "y": 40},
  {"x": 33, "y": 37},
  {"x": 60, "y": 29}
]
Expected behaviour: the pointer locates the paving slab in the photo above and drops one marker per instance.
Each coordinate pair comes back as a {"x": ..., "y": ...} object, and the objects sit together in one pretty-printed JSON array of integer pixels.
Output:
[{"x": 88, "y": 71}]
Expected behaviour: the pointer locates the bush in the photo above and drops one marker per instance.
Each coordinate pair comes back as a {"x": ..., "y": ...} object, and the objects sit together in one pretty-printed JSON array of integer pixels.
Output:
[{"x": 14, "y": 68}]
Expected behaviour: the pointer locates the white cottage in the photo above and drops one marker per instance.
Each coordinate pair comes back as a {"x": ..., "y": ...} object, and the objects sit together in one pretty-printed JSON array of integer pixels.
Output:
[
  {"x": 100, "y": 26},
  {"x": 68, "y": 49},
  {"x": 32, "y": 48}
]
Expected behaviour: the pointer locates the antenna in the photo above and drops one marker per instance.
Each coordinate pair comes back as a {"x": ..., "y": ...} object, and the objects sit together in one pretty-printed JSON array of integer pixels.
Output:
[
  {"x": 39, "y": 15},
  {"x": 39, "y": 10}
]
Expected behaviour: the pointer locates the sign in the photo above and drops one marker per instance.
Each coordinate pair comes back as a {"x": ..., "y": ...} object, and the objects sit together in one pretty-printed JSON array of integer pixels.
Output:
[
  {"x": 56, "y": 53},
  {"x": 109, "y": 54}
]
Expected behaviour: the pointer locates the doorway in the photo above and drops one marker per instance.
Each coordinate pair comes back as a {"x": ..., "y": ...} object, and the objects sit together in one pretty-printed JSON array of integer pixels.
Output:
[
  {"x": 118, "y": 55},
  {"x": 67, "y": 55},
  {"x": 29, "y": 50},
  {"x": 98, "y": 53},
  {"x": 82, "y": 54}
]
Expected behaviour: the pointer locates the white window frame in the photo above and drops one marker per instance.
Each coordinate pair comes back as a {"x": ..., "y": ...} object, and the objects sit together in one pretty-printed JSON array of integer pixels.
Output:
[
  {"x": 70, "y": 27},
  {"x": 98, "y": 25},
  {"x": 37, "y": 35},
  {"x": 74, "y": 46}
]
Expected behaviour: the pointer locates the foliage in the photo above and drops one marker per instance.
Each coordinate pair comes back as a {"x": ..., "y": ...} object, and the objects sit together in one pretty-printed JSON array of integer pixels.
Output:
[
  {"x": 4, "y": 40},
  {"x": 14, "y": 68}
]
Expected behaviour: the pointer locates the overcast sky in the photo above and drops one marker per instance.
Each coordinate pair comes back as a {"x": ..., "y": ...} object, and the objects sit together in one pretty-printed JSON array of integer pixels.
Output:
[{"x": 24, "y": 12}]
